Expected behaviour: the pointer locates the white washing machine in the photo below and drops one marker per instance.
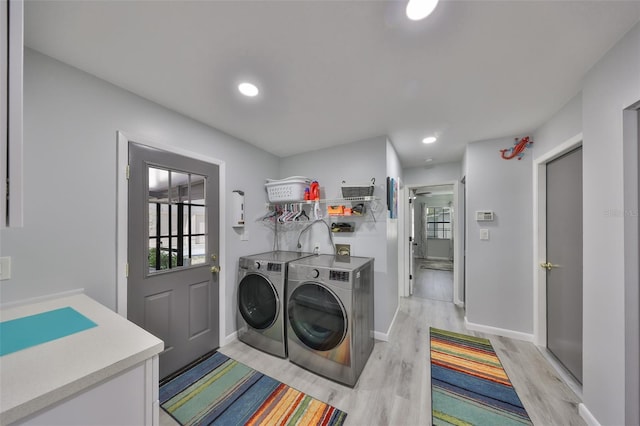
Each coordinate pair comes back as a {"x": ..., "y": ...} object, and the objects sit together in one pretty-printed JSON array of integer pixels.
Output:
[
  {"x": 330, "y": 315},
  {"x": 262, "y": 281}
]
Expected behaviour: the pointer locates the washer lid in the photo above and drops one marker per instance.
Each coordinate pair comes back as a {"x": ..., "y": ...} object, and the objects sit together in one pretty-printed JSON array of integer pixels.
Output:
[{"x": 330, "y": 261}]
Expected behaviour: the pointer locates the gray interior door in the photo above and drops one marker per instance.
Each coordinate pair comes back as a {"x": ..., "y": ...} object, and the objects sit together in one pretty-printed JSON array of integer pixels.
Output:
[
  {"x": 564, "y": 260},
  {"x": 173, "y": 247}
]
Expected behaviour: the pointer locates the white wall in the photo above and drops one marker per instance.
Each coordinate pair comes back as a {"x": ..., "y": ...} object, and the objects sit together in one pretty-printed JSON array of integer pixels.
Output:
[
  {"x": 433, "y": 175},
  {"x": 498, "y": 271},
  {"x": 564, "y": 124},
  {"x": 394, "y": 248},
  {"x": 612, "y": 85},
  {"x": 354, "y": 163},
  {"x": 68, "y": 238}
]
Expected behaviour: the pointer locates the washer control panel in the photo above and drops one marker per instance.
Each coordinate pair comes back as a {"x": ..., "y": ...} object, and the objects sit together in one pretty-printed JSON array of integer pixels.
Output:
[{"x": 274, "y": 267}]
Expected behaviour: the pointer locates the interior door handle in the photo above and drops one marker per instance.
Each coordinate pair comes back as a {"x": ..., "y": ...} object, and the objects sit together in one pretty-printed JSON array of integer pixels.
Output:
[
  {"x": 215, "y": 269},
  {"x": 549, "y": 266}
]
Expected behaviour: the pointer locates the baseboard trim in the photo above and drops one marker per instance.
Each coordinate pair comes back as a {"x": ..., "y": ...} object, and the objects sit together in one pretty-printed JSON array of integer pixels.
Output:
[
  {"x": 448, "y": 259},
  {"x": 586, "y": 415},
  {"x": 385, "y": 336},
  {"x": 498, "y": 331},
  {"x": 566, "y": 377},
  {"x": 229, "y": 339}
]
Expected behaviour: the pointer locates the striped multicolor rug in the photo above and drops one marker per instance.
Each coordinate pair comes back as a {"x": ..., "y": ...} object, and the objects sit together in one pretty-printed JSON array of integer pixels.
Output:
[
  {"x": 469, "y": 385},
  {"x": 222, "y": 391}
]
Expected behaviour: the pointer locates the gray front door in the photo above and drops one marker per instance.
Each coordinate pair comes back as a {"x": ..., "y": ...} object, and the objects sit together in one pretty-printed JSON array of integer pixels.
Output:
[
  {"x": 564, "y": 260},
  {"x": 172, "y": 246}
]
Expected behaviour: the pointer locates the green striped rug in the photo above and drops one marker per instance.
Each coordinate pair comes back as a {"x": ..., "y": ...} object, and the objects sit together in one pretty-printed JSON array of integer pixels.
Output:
[
  {"x": 469, "y": 385},
  {"x": 222, "y": 391}
]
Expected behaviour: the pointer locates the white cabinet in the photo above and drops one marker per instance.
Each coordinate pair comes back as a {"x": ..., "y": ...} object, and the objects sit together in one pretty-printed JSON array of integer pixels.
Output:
[
  {"x": 119, "y": 401},
  {"x": 104, "y": 375}
]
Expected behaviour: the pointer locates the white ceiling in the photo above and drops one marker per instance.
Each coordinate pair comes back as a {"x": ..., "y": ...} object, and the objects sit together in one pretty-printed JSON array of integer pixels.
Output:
[{"x": 334, "y": 72}]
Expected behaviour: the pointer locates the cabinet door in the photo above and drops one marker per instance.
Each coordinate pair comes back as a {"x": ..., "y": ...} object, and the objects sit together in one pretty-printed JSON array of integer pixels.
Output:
[{"x": 137, "y": 406}]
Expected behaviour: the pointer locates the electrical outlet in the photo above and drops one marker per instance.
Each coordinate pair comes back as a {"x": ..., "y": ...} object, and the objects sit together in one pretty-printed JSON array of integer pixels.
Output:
[
  {"x": 5, "y": 268},
  {"x": 343, "y": 249}
]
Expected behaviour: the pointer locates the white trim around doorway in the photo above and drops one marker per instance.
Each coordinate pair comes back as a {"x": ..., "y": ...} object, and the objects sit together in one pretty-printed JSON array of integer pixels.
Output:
[
  {"x": 458, "y": 298},
  {"x": 122, "y": 208}
]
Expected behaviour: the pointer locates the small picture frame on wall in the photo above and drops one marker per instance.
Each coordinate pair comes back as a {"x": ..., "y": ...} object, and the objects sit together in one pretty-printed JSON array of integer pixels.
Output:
[
  {"x": 388, "y": 193},
  {"x": 392, "y": 196}
]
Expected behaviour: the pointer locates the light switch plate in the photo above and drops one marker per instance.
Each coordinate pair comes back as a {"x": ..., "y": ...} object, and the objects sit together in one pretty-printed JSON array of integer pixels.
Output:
[
  {"x": 5, "y": 268},
  {"x": 484, "y": 234}
]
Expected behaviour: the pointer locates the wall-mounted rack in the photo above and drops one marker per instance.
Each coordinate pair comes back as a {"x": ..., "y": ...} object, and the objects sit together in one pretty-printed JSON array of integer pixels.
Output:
[{"x": 335, "y": 201}]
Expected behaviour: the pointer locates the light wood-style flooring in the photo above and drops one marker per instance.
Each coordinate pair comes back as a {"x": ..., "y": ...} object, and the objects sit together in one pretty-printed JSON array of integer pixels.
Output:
[
  {"x": 394, "y": 388},
  {"x": 433, "y": 284}
]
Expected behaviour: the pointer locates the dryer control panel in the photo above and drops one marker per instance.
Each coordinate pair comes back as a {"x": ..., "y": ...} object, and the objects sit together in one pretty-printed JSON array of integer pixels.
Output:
[
  {"x": 274, "y": 267},
  {"x": 339, "y": 275}
]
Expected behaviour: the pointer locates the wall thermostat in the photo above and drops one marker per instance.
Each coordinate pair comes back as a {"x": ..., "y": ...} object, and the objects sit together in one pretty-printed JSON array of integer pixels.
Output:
[{"x": 484, "y": 216}]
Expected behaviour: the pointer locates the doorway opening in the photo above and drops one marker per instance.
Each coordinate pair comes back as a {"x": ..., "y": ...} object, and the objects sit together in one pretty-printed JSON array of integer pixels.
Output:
[
  {"x": 177, "y": 248},
  {"x": 433, "y": 230},
  {"x": 552, "y": 275},
  {"x": 432, "y": 223}
]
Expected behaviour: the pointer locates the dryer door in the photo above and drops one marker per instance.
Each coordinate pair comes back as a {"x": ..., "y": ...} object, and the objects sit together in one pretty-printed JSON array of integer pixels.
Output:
[
  {"x": 317, "y": 316},
  {"x": 258, "y": 301}
]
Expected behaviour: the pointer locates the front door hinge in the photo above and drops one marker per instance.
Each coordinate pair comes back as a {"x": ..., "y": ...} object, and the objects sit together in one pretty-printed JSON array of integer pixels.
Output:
[
  {"x": 410, "y": 276},
  {"x": 128, "y": 171},
  {"x": 126, "y": 270}
]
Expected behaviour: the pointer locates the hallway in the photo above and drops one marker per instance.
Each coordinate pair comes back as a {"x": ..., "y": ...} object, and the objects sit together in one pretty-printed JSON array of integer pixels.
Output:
[
  {"x": 394, "y": 388},
  {"x": 433, "y": 284}
]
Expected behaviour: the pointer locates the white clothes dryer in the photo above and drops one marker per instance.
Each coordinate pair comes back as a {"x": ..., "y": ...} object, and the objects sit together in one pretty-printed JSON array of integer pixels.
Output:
[
  {"x": 330, "y": 315},
  {"x": 262, "y": 280}
]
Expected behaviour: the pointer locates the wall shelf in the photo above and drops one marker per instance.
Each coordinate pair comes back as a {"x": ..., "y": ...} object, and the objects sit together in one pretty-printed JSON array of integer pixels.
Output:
[
  {"x": 368, "y": 200},
  {"x": 328, "y": 201}
]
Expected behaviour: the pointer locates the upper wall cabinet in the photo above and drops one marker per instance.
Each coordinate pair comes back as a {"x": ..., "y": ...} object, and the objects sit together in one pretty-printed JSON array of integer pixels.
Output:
[{"x": 12, "y": 54}]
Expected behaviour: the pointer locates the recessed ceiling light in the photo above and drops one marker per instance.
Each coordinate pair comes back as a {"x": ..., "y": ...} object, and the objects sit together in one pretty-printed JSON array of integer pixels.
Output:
[
  {"x": 430, "y": 139},
  {"x": 428, "y": 160},
  {"x": 248, "y": 89},
  {"x": 420, "y": 9}
]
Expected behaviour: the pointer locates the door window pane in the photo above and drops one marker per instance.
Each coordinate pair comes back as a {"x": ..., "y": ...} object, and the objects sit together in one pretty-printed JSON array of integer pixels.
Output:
[
  {"x": 177, "y": 226},
  {"x": 158, "y": 184},
  {"x": 153, "y": 219},
  {"x": 179, "y": 187}
]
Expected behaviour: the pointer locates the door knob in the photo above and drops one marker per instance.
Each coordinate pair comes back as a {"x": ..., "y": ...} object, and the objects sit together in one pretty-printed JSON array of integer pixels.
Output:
[
  {"x": 215, "y": 269},
  {"x": 548, "y": 266}
]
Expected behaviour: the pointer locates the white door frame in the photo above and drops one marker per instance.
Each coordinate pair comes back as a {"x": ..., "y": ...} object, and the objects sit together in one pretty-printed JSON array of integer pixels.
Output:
[
  {"x": 457, "y": 242},
  {"x": 122, "y": 209},
  {"x": 631, "y": 148},
  {"x": 540, "y": 235}
]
